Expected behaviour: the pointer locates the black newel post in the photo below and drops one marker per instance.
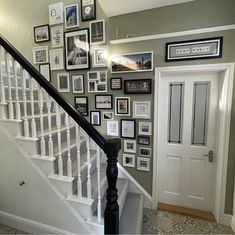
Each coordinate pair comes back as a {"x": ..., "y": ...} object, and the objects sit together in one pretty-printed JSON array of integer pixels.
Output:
[{"x": 111, "y": 214}]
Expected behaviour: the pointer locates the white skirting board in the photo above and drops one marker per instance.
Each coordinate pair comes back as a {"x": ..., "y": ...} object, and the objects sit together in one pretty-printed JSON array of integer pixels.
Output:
[{"x": 233, "y": 223}]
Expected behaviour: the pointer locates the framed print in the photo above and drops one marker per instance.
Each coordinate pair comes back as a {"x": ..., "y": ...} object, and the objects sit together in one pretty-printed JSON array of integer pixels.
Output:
[
  {"x": 103, "y": 101},
  {"x": 138, "y": 86},
  {"x": 41, "y": 33},
  {"x": 78, "y": 83},
  {"x": 56, "y": 13},
  {"x": 116, "y": 83},
  {"x": 100, "y": 56},
  {"x": 112, "y": 128},
  {"x": 134, "y": 62},
  {"x": 128, "y": 128},
  {"x": 130, "y": 146},
  {"x": 97, "y": 81},
  {"x": 108, "y": 115},
  {"x": 81, "y": 105},
  {"x": 144, "y": 152},
  {"x": 208, "y": 48},
  {"x": 142, "y": 109},
  {"x": 45, "y": 70},
  {"x": 144, "y": 140},
  {"x": 40, "y": 55},
  {"x": 63, "y": 82},
  {"x": 71, "y": 16},
  {"x": 145, "y": 128},
  {"x": 88, "y": 10},
  {"x": 95, "y": 118},
  {"x": 128, "y": 160},
  {"x": 77, "y": 49},
  {"x": 97, "y": 32},
  {"x": 57, "y": 59},
  {"x": 122, "y": 106},
  {"x": 57, "y": 36},
  {"x": 143, "y": 164}
]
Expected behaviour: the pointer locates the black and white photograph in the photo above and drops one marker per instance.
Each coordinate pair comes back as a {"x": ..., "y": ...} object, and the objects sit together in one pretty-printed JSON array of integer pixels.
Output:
[
  {"x": 143, "y": 140},
  {"x": 63, "y": 82},
  {"x": 108, "y": 115},
  {"x": 56, "y": 13},
  {"x": 142, "y": 109},
  {"x": 116, "y": 83},
  {"x": 145, "y": 128},
  {"x": 41, "y": 33},
  {"x": 57, "y": 59},
  {"x": 143, "y": 164},
  {"x": 95, "y": 118},
  {"x": 144, "y": 152},
  {"x": 71, "y": 16},
  {"x": 130, "y": 146},
  {"x": 128, "y": 160},
  {"x": 81, "y": 105},
  {"x": 88, "y": 10},
  {"x": 97, "y": 32},
  {"x": 45, "y": 70},
  {"x": 137, "y": 86},
  {"x": 97, "y": 81},
  {"x": 100, "y": 56},
  {"x": 122, "y": 106},
  {"x": 40, "y": 55},
  {"x": 128, "y": 128},
  {"x": 78, "y": 83},
  {"x": 112, "y": 128},
  {"x": 57, "y": 36},
  {"x": 104, "y": 101},
  {"x": 77, "y": 49}
]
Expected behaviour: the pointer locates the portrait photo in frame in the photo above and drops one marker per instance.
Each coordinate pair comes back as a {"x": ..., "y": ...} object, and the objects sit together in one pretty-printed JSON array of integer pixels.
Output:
[
  {"x": 112, "y": 128},
  {"x": 128, "y": 160},
  {"x": 41, "y": 33},
  {"x": 142, "y": 109},
  {"x": 104, "y": 101},
  {"x": 81, "y": 105},
  {"x": 71, "y": 16},
  {"x": 122, "y": 106},
  {"x": 63, "y": 82},
  {"x": 40, "y": 55},
  {"x": 100, "y": 56},
  {"x": 56, "y": 13},
  {"x": 97, "y": 32},
  {"x": 45, "y": 70},
  {"x": 129, "y": 146},
  {"x": 57, "y": 36},
  {"x": 143, "y": 164},
  {"x": 78, "y": 83},
  {"x": 57, "y": 59},
  {"x": 95, "y": 118},
  {"x": 88, "y": 10},
  {"x": 128, "y": 128}
]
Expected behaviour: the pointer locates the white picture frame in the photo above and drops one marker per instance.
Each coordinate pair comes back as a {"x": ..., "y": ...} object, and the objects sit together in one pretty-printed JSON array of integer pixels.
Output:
[
  {"x": 128, "y": 160},
  {"x": 145, "y": 128},
  {"x": 78, "y": 83},
  {"x": 144, "y": 152},
  {"x": 40, "y": 55},
  {"x": 112, "y": 128},
  {"x": 71, "y": 16},
  {"x": 97, "y": 32},
  {"x": 63, "y": 82},
  {"x": 142, "y": 109},
  {"x": 57, "y": 59},
  {"x": 57, "y": 36},
  {"x": 122, "y": 106},
  {"x": 108, "y": 115},
  {"x": 100, "y": 56},
  {"x": 97, "y": 81},
  {"x": 56, "y": 13},
  {"x": 45, "y": 70},
  {"x": 129, "y": 146},
  {"x": 143, "y": 164}
]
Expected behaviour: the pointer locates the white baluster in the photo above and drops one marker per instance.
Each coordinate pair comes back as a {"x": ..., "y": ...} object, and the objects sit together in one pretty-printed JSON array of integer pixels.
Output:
[
  {"x": 88, "y": 167},
  {"x": 78, "y": 144},
  {"x": 17, "y": 104},
  {"x": 2, "y": 89},
  {"x": 69, "y": 162},
  {"x": 26, "y": 123},
  {"x": 99, "y": 187},
  {"x": 40, "y": 104},
  {"x": 50, "y": 142},
  {"x": 33, "y": 123}
]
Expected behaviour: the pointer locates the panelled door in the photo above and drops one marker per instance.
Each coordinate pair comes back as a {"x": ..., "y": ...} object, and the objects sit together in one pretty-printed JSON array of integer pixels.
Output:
[{"x": 188, "y": 118}]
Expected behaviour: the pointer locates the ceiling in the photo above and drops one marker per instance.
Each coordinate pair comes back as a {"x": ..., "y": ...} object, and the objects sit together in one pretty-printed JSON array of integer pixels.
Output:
[{"x": 120, "y": 7}]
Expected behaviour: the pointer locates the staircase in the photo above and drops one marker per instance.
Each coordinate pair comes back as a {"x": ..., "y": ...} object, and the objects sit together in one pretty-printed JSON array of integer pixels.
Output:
[{"x": 66, "y": 148}]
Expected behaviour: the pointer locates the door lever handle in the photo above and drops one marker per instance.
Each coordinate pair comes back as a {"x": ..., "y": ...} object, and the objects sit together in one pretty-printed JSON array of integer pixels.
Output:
[{"x": 210, "y": 156}]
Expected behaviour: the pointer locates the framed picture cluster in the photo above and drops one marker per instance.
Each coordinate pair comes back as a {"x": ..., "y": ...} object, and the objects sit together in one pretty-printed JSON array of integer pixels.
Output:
[{"x": 97, "y": 81}]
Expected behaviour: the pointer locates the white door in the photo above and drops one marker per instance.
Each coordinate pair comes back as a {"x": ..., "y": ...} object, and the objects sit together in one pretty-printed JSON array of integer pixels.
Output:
[{"x": 188, "y": 118}]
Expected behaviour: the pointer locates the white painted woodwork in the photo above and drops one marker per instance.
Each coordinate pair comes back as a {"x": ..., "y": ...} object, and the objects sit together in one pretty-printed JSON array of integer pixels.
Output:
[
  {"x": 50, "y": 141},
  {"x": 2, "y": 89},
  {"x": 98, "y": 184},
  {"x": 26, "y": 123},
  {"x": 69, "y": 162},
  {"x": 88, "y": 167},
  {"x": 40, "y": 104},
  {"x": 17, "y": 103},
  {"x": 33, "y": 123}
]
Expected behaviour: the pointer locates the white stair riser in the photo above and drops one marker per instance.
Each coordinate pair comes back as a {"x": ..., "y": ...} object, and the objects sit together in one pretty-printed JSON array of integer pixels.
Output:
[
  {"x": 85, "y": 210},
  {"x": 66, "y": 188},
  {"x": 14, "y": 128},
  {"x": 30, "y": 146},
  {"x": 46, "y": 166}
]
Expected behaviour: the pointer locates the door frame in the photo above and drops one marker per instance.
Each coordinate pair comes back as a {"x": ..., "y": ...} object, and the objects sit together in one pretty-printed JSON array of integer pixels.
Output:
[{"x": 226, "y": 77}]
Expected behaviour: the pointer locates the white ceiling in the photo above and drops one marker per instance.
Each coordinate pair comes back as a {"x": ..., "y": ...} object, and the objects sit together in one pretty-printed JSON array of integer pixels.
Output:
[{"x": 120, "y": 7}]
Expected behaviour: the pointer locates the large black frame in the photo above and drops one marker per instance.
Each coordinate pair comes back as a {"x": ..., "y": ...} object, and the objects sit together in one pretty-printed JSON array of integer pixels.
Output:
[
  {"x": 136, "y": 86},
  {"x": 84, "y": 9}
]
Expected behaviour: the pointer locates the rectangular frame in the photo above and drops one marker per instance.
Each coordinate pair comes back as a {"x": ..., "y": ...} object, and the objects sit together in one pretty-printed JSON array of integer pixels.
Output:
[
  {"x": 100, "y": 56},
  {"x": 78, "y": 83},
  {"x": 112, "y": 128},
  {"x": 41, "y": 33},
  {"x": 128, "y": 127},
  {"x": 57, "y": 59},
  {"x": 108, "y": 115},
  {"x": 45, "y": 70},
  {"x": 40, "y": 55},
  {"x": 81, "y": 105},
  {"x": 104, "y": 101},
  {"x": 97, "y": 81},
  {"x": 71, "y": 16},
  {"x": 56, "y": 13},
  {"x": 116, "y": 83},
  {"x": 122, "y": 106},
  {"x": 57, "y": 36},
  {"x": 63, "y": 85},
  {"x": 143, "y": 140},
  {"x": 88, "y": 11},
  {"x": 142, "y": 109},
  {"x": 146, "y": 153},
  {"x": 128, "y": 160},
  {"x": 145, "y": 128},
  {"x": 129, "y": 146},
  {"x": 138, "y": 86},
  {"x": 95, "y": 120},
  {"x": 143, "y": 164},
  {"x": 97, "y": 32}
]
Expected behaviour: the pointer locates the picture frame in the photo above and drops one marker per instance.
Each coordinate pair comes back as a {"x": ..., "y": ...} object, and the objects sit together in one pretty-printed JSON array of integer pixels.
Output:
[
  {"x": 112, "y": 128},
  {"x": 40, "y": 55},
  {"x": 129, "y": 146},
  {"x": 207, "y": 48},
  {"x": 103, "y": 101},
  {"x": 57, "y": 36},
  {"x": 145, "y": 128},
  {"x": 122, "y": 106},
  {"x": 97, "y": 32},
  {"x": 143, "y": 164},
  {"x": 63, "y": 82},
  {"x": 144, "y": 152},
  {"x": 143, "y": 140},
  {"x": 95, "y": 118},
  {"x": 100, "y": 56},
  {"x": 128, "y": 160},
  {"x": 97, "y": 81},
  {"x": 45, "y": 70},
  {"x": 138, "y": 86},
  {"x": 88, "y": 10},
  {"x": 128, "y": 128},
  {"x": 77, "y": 49},
  {"x": 41, "y": 33},
  {"x": 132, "y": 62},
  {"x": 57, "y": 59},
  {"x": 142, "y": 109},
  {"x": 78, "y": 83},
  {"x": 108, "y": 115},
  {"x": 116, "y": 83},
  {"x": 81, "y": 105},
  {"x": 71, "y": 16},
  {"x": 56, "y": 13}
]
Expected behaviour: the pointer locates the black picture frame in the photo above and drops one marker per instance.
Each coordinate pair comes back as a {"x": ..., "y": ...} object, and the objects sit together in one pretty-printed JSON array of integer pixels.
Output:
[
  {"x": 193, "y": 53},
  {"x": 98, "y": 99},
  {"x": 122, "y": 106},
  {"x": 88, "y": 12},
  {"x": 82, "y": 107},
  {"x": 128, "y": 135},
  {"x": 49, "y": 71},
  {"x": 38, "y": 34},
  {"x": 138, "y": 86},
  {"x": 114, "y": 86},
  {"x": 98, "y": 121},
  {"x": 141, "y": 139}
]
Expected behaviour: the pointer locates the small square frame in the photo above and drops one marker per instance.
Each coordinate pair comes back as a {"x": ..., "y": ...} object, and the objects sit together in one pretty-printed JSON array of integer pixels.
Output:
[
  {"x": 129, "y": 146},
  {"x": 142, "y": 109},
  {"x": 143, "y": 164},
  {"x": 40, "y": 55},
  {"x": 104, "y": 101},
  {"x": 108, "y": 116},
  {"x": 116, "y": 83},
  {"x": 145, "y": 128},
  {"x": 144, "y": 152},
  {"x": 41, "y": 33},
  {"x": 128, "y": 160},
  {"x": 143, "y": 140}
]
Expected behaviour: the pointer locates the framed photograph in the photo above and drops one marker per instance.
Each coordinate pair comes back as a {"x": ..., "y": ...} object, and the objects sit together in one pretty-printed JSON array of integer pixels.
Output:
[
  {"x": 145, "y": 128},
  {"x": 116, "y": 83},
  {"x": 144, "y": 140},
  {"x": 40, "y": 55},
  {"x": 104, "y": 101},
  {"x": 207, "y": 48},
  {"x": 78, "y": 83},
  {"x": 45, "y": 70},
  {"x": 56, "y": 13},
  {"x": 57, "y": 36},
  {"x": 138, "y": 86},
  {"x": 134, "y": 62},
  {"x": 88, "y": 10},
  {"x": 77, "y": 49},
  {"x": 128, "y": 160},
  {"x": 108, "y": 115},
  {"x": 81, "y": 105},
  {"x": 63, "y": 82},
  {"x": 122, "y": 106},
  {"x": 100, "y": 56},
  {"x": 130, "y": 146},
  {"x": 57, "y": 59},
  {"x": 143, "y": 164},
  {"x": 128, "y": 128},
  {"x": 95, "y": 118},
  {"x": 142, "y": 109},
  {"x": 145, "y": 152},
  {"x": 41, "y": 33},
  {"x": 97, "y": 81},
  {"x": 71, "y": 16},
  {"x": 112, "y": 128},
  {"x": 97, "y": 32}
]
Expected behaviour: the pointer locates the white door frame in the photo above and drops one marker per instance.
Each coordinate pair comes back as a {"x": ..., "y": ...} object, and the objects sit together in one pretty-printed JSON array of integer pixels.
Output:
[{"x": 225, "y": 102}]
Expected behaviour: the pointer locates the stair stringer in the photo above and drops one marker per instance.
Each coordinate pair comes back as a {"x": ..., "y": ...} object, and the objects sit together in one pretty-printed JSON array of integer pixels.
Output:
[{"x": 47, "y": 205}]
